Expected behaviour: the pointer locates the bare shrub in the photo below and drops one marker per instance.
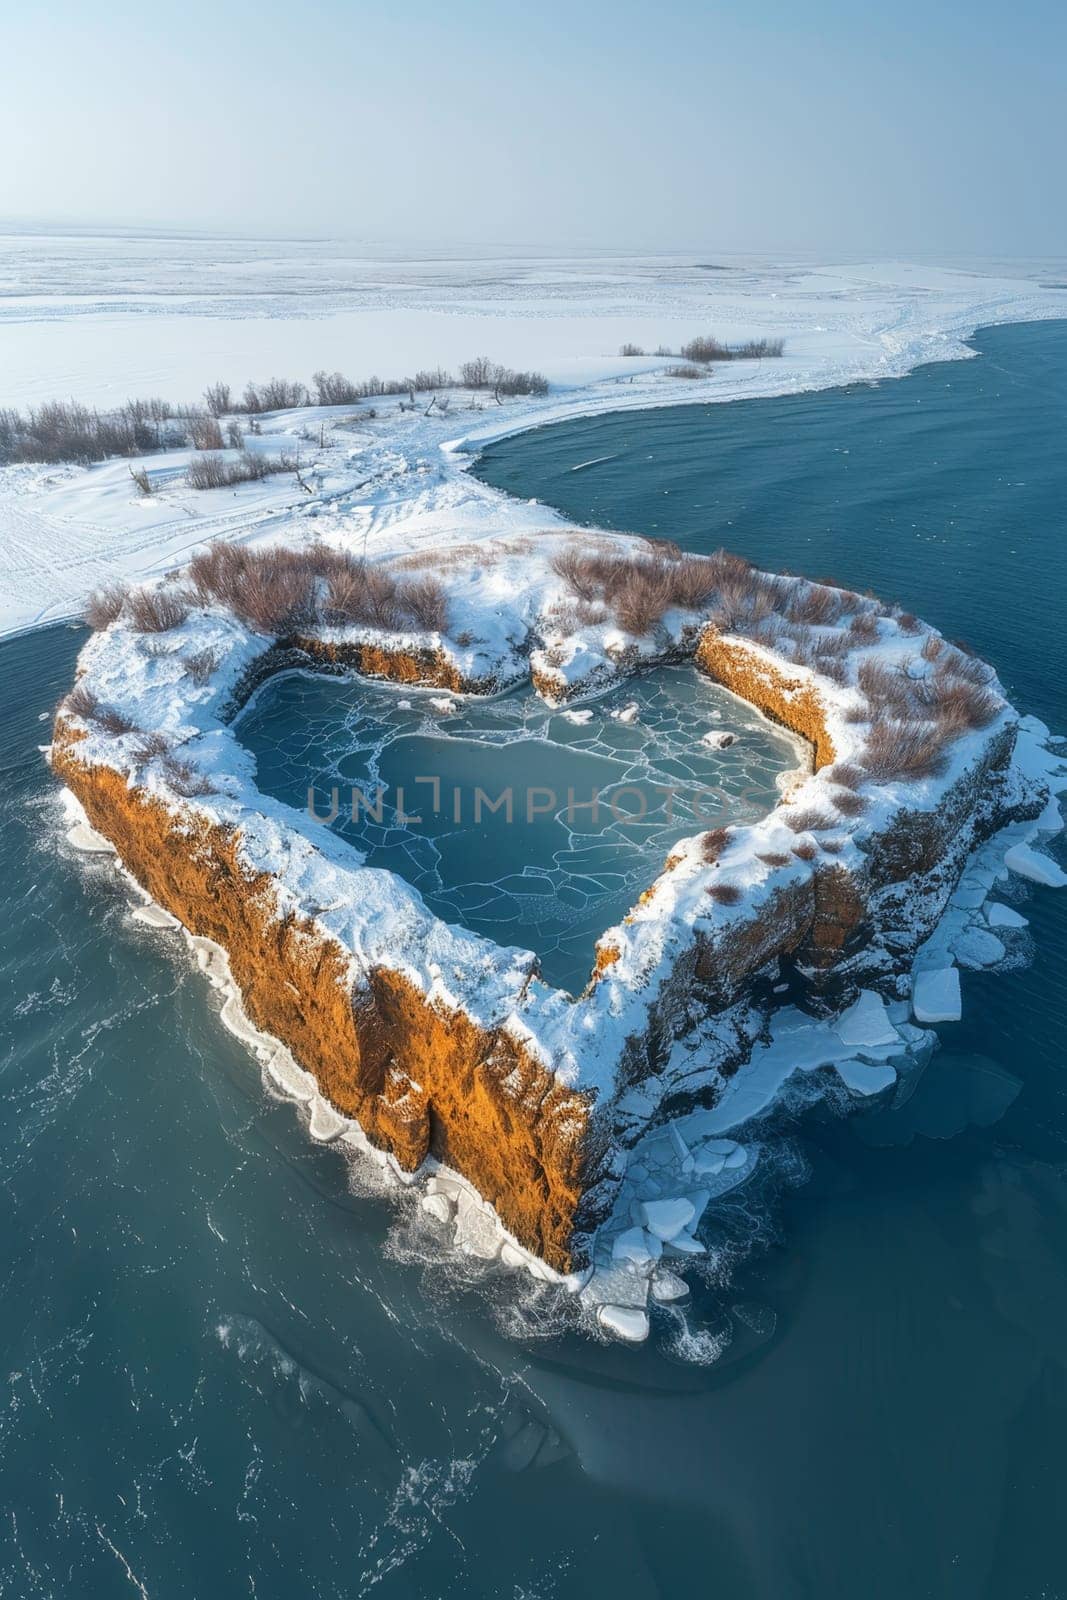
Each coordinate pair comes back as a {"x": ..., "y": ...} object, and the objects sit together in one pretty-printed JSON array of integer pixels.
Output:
[
  {"x": 430, "y": 379},
  {"x": 815, "y": 604},
  {"x": 631, "y": 350},
  {"x": 708, "y": 348},
  {"x": 641, "y": 598},
  {"x": 200, "y": 665},
  {"x": 141, "y": 479},
  {"x": 904, "y": 750},
  {"x": 334, "y": 389},
  {"x": 692, "y": 583},
  {"x": 713, "y": 844},
  {"x": 638, "y": 590},
  {"x": 724, "y": 894},
  {"x": 886, "y": 687},
  {"x": 755, "y": 349},
  {"x": 425, "y": 601},
  {"x": 705, "y": 349},
  {"x": 773, "y": 858},
  {"x": 477, "y": 374},
  {"x": 685, "y": 372},
  {"x": 216, "y": 472},
  {"x": 962, "y": 706},
  {"x": 219, "y": 399},
  {"x": 864, "y": 625},
  {"x": 151, "y": 746},
  {"x": 805, "y": 850},
  {"x": 205, "y": 433},
  {"x": 582, "y": 573},
  {"x": 277, "y": 394},
  {"x": 276, "y": 599},
  {"x": 81, "y": 702},
  {"x": 481, "y": 373},
  {"x": 114, "y": 721},
  {"x": 963, "y": 663},
  {"x": 846, "y": 773},
  {"x": 186, "y": 780},
  {"x": 849, "y": 803},
  {"x": 105, "y": 605},
  {"x": 157, "y": 610},
  {"x": 810, "y": 820},
  {"x": 234, "y": 437},
  {"x": 908, "y": 623},
  {"x": 514, "y": 383},
  {"x": 831, "y": 666},
  {"x": 932, "y": 647}
]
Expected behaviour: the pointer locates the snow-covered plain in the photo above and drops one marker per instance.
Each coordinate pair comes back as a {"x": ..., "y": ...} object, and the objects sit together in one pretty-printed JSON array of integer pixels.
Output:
[{"x": 102, "y": 319}]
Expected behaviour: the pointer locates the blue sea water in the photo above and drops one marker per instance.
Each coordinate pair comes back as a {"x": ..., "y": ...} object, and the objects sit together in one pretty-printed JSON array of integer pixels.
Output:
[{"x": 229, "y": 1369}]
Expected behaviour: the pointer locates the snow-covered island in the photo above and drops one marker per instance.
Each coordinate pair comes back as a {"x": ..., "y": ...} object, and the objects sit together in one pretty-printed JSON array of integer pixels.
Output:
[{"x": 576, "y": 1135}]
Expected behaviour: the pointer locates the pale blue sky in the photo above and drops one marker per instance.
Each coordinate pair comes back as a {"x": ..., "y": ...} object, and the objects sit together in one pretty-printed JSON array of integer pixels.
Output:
[{"x": 912, "y": 127}]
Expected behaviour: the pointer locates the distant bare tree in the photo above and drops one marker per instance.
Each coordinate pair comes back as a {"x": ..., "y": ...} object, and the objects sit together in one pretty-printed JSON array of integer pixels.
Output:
[{"x": 219, "y": 399}]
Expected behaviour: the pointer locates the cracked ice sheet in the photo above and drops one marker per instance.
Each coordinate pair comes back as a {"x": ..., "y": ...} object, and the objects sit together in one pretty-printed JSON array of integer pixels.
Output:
[{"x": 556, "y": 884}]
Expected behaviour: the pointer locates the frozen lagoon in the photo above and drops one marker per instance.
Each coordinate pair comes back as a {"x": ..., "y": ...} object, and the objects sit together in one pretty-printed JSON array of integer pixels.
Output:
[{"x": 536, "y": 827}]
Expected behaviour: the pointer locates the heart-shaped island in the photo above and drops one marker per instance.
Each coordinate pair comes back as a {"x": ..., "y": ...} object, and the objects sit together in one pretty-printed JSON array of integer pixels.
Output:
[{"x": 780, "y": 901}]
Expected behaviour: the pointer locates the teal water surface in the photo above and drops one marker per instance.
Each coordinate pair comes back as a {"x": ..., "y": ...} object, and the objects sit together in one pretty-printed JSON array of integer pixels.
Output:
[
  {"x": 533, "y": 827},
  {"x": 230, "y": 1370}
]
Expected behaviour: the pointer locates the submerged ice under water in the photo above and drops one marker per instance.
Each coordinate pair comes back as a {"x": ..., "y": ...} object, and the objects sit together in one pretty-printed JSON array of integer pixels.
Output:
[{"x": 533, "y": 826}]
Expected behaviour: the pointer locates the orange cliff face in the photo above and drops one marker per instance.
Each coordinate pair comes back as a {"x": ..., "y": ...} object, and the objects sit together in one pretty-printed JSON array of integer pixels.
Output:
[{"x": 419, "y": 1080}]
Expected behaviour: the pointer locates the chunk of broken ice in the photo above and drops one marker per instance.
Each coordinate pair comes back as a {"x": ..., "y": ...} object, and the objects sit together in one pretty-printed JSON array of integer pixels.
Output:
[
  {"x": 1001, "y": 916},
  {"x": 1031, "y": 864},
  {"x": 935, "y": 996},
  {"x": 641, "y": 1249},
  {"x": 438, "y": 1205},
  {"x": 668, "y": 1286},
  {"x": 977, "y": 947},
  {"x": 866, "y": 1023},
  {"x": 666, "y": 1218},
  {"x": 625, "y": 1322}
]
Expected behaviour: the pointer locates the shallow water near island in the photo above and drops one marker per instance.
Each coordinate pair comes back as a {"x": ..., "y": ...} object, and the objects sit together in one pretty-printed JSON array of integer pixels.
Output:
[
  {"x": 230, "y": 1370},
  {"x": 531, "y": 826}
]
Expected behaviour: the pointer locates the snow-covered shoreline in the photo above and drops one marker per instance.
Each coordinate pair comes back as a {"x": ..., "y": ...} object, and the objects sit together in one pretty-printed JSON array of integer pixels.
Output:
[{"x": 402, "y": 485}]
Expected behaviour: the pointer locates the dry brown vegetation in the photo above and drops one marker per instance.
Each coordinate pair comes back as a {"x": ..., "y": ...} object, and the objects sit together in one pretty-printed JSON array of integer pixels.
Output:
[
  {"x": 113, "y": 721},
  {"x": 713, "y": 844},
  {"x": 105, "y": 605},
  {"x": 185, "y": 779},
  {"x": 222, "y": 472},
  {"x": 707, "y": 348},
  {"x": 845, "y": 773},
  {"x": 278, "y": 590},
  {"x": 849, "y": 803},
  {"x": 201, "y": 664},
  {"x": 151, "y": 746},
  {"x": 724, "y": 894},
  {"x": 81, "y": 702},
  {"x": 809, "y": 820},
  {"x": 157, "y": 610},
  {"x": 898, "y": 749}
]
